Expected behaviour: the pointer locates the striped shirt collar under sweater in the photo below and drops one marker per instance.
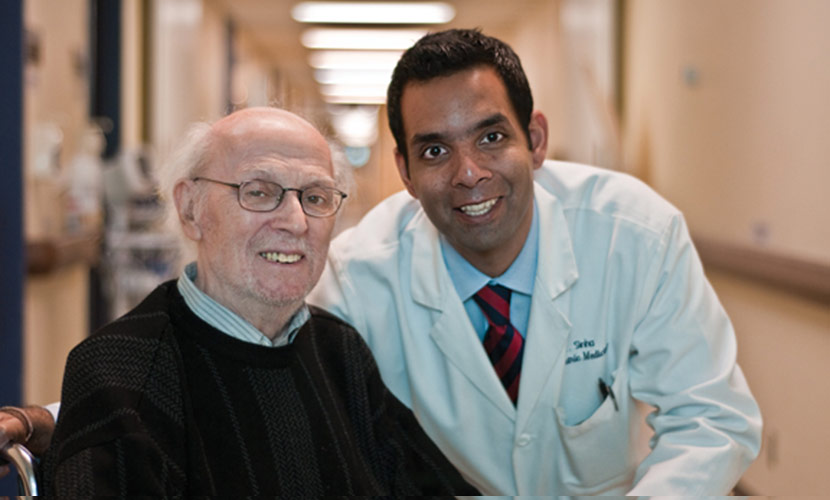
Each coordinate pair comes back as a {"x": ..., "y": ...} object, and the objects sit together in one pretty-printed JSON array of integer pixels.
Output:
[{"x": 230, "y": 323}]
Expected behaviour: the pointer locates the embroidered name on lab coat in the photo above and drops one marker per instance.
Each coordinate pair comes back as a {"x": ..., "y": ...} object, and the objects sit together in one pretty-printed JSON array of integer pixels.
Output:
[{"x": 584, "y": 350}]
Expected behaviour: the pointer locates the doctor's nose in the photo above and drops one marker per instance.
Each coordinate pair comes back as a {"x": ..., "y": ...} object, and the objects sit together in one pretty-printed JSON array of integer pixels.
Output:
[{"x": 469, "y": 171}]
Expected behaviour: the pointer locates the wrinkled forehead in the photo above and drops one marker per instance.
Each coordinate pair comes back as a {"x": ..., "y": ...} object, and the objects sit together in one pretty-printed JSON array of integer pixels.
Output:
[{"x": 284, "y": 144}]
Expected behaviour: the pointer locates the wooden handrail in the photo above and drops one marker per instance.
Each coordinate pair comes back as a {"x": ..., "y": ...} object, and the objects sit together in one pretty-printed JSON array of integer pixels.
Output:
[
  {"x": 801, "y": 276},
  {"x": 46, "y": 255}
]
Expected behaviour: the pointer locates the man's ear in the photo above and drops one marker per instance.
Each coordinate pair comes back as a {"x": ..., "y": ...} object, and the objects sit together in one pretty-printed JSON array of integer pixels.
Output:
[
  {"x": 538, "y": 129},
  {"x": 184, "y": 197},
  {"x": 403, "y": 170}
]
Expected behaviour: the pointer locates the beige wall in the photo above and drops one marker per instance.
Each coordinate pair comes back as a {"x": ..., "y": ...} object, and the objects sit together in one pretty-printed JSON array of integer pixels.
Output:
[
  {"x": 132, "y": 53},
  {"x": 538, "y": 42},
  {"x": 567, "y": 50},
  {"x": 727, "y": 116},
  {"x": 745, "y": 144}
]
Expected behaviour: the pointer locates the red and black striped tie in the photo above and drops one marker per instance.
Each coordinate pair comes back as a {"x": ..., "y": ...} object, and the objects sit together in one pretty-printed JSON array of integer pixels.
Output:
[{"x": 503, "y": 343}]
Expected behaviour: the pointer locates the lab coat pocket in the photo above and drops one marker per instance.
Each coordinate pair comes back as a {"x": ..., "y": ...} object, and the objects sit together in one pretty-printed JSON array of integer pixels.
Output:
[{"x": 595, "y": 452}]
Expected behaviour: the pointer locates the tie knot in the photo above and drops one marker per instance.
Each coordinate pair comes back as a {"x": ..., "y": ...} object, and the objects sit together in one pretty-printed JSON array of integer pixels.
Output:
[{"x": 494, "y": 301}]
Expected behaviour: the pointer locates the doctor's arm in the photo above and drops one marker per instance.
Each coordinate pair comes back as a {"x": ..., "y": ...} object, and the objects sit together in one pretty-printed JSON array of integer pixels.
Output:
[{"x": 707, "y": 424}]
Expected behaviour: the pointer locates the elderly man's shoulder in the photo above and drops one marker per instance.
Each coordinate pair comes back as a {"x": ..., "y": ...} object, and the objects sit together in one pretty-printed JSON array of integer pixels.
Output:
[
  {"x": 146, "y": 320},
  {"x": 335, "y": 337},
  {"x": 327, "y": 324},
  {"x": 134, "y": 337},
  {"x": 132, "y": 356}
]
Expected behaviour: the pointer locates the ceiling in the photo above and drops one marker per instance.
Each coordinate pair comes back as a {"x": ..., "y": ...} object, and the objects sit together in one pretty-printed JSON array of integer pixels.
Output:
[{"x": 269, "y": 25}]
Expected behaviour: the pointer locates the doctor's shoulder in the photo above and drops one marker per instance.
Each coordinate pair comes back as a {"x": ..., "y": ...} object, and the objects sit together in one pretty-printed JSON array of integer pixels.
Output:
[
  {"x": 611, "y": 193},
  {"x": 379, "y": 232}
]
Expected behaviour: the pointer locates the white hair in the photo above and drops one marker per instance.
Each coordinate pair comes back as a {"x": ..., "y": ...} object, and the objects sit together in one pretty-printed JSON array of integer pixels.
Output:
[
  {"x": 343, "y": 171},
  {"x": 186, "y": 160}
]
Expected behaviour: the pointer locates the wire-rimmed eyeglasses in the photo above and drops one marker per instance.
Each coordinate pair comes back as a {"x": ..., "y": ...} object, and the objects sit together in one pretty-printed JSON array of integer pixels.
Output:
[{"x": 264, "y": 196}]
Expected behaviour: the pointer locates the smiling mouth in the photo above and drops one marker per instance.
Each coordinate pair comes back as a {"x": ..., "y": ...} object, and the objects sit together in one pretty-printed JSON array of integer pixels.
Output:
[
  {"x": 282, "y": 258},
  {"x": 478, "y": 209}
]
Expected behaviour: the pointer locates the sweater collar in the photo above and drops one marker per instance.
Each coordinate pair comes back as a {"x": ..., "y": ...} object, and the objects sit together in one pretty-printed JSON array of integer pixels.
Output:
[{"x": 227, "y": 321}]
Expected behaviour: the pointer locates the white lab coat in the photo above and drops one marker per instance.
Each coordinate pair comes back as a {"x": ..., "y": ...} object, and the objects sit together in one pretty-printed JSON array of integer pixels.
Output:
[{"x": 619, "y": 295}]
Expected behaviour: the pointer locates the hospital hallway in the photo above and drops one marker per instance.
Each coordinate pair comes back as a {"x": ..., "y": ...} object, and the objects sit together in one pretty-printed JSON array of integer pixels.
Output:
[{"x": 720, "y": 107}]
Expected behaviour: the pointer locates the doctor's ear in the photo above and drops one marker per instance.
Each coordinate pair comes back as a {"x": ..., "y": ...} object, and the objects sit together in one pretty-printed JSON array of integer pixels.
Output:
[
  {"x": 185, "y": 197},
  {"x": 538, "y": 130},
  {"x": 403, "y": 171}
]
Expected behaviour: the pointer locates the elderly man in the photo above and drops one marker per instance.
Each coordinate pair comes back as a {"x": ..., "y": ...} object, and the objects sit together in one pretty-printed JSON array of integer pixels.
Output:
[{"x": 224, "y": 381}]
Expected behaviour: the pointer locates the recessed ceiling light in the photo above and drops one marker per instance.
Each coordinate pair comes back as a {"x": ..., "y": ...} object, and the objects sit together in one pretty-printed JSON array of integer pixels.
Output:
[
  {"x": 354, "y": 90},
  {"x": 353, "y": 76},
  {"x": 373, "y": 12},
  {"x": 360, "y": 39},
  {"x": 354, "y": 94},
  {"x": 346, "y": 59},
  {"x": 339, "y": 99}
]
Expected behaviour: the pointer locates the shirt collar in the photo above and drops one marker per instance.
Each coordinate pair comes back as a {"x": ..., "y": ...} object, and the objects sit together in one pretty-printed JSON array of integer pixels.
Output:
[
  {"x": 227, "y": 321},
  {"x": 518, "y": 277}
]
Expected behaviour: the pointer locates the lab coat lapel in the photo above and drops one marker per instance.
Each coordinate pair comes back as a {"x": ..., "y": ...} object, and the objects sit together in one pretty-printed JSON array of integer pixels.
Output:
[
  {"x": 549, "y": 325},
  {"x": 451, "y": 330}
]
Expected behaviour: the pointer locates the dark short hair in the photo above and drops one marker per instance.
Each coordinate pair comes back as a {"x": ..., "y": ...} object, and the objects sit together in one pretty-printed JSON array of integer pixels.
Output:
[{"x": 451, "y": 51}]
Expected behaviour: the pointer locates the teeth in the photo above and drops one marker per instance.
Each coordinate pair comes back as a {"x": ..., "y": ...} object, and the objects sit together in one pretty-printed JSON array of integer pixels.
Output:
[
  {"x": 282, "y": 258},
  {"x": 479, "y": 208}
]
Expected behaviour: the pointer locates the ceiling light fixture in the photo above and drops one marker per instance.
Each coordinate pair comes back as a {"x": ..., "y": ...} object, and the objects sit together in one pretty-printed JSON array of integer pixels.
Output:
[
  {"x": 360, "y": 39},
  {"x": 354, "y": 90},
  {"x": 350, "y": 100},
  {"x": 373, "y": 12},
  {"x": 355, "y": 60},
  {"x": 353, "y": 76}
]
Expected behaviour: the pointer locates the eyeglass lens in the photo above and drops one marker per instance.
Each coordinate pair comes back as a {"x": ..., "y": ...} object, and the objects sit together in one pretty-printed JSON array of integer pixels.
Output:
[{"x": 263, "y": 196}]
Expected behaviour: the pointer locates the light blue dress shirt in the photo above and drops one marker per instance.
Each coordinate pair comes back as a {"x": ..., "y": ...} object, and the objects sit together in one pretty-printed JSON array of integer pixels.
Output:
[
  {"x": 519, "y": 278},
  {"x": 227, "y": 321}
]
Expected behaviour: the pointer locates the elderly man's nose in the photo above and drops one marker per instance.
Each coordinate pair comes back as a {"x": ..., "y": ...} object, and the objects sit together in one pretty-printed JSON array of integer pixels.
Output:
[{"x": 289, "y": 214}]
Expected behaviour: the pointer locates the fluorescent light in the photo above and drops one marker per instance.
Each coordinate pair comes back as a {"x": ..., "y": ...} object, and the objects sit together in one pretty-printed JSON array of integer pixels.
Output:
[
  {"x": 345, "y": 59},
  {"x": 340, "y": 99},
  {"x": 360, "y": 39},
  {"x": 354, "y": 94},
  {"x": 354, "y": 90},
  {"x": 352, "y": 76},
  {"x": 373, "y": 12}
]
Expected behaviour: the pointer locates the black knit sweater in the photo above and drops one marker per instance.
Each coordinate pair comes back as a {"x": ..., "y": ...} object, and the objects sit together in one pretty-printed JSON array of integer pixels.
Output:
[{"x": 159, "y": 402}]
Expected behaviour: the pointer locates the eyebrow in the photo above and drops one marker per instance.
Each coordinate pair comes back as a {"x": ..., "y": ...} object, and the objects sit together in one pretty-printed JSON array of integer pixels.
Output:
[
  {"x": 257, "y": 173},
  {"x": 491, "y": 120}
]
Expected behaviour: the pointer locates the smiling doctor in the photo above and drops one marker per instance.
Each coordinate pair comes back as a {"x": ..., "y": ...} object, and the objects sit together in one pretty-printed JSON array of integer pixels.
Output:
[{"x": 521, "y": 306}]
